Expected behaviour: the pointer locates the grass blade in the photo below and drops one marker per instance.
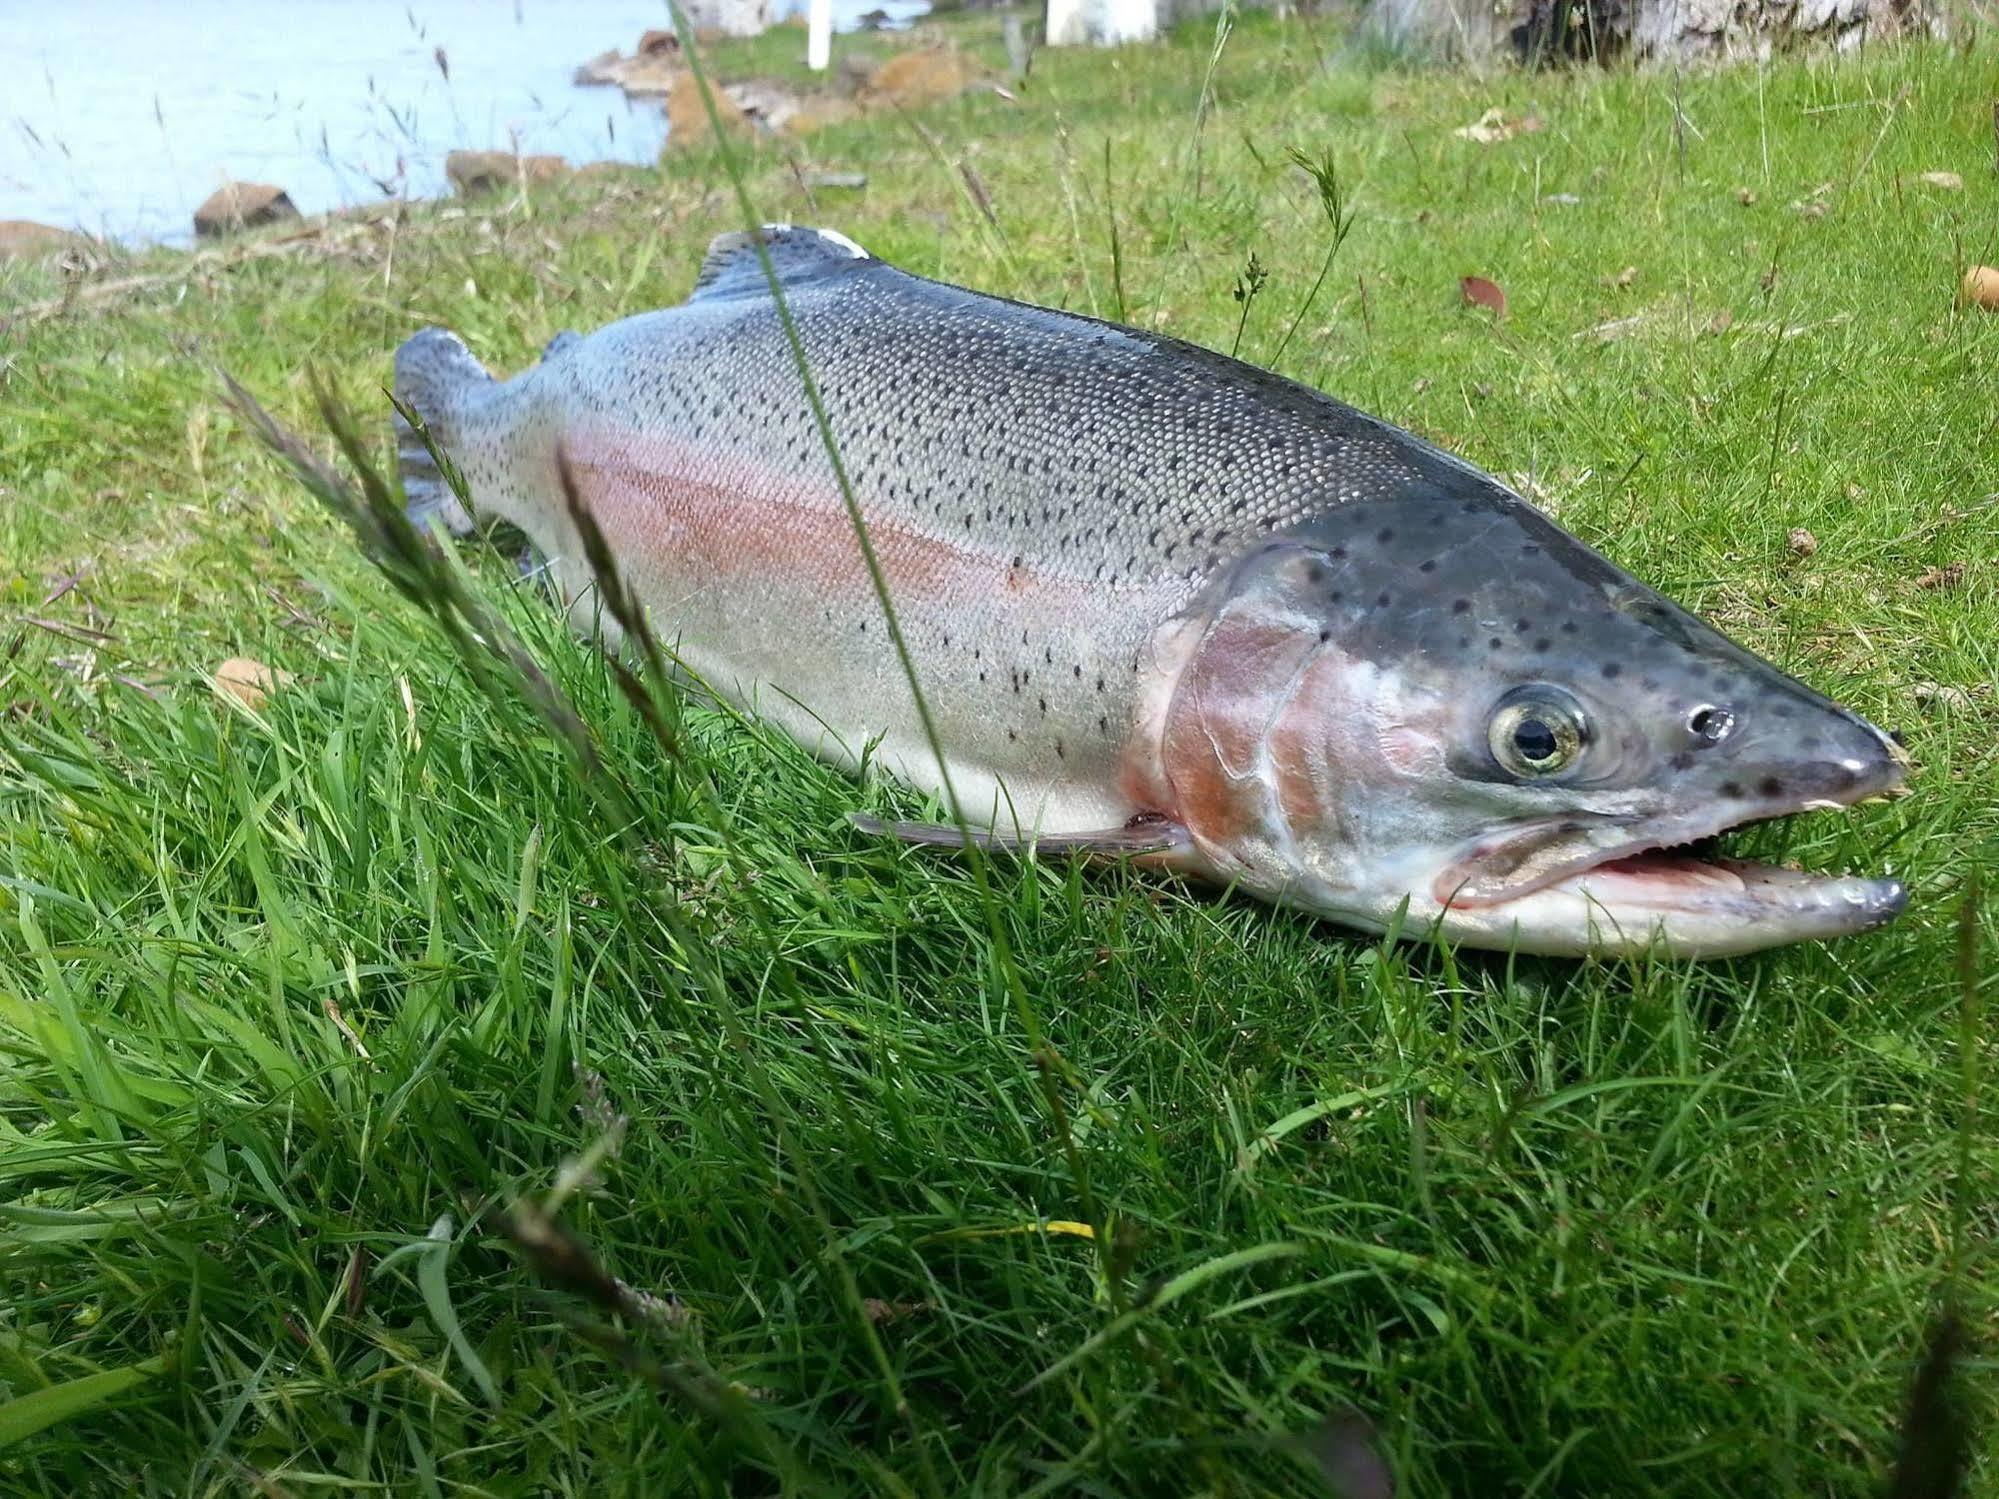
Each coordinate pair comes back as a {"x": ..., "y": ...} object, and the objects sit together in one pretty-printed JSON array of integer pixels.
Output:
[{"x": 38, "y": 1410}]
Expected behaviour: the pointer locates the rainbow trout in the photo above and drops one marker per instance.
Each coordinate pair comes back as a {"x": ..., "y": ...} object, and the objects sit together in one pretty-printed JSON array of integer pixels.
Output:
[{"x": 1162, "y": 604}]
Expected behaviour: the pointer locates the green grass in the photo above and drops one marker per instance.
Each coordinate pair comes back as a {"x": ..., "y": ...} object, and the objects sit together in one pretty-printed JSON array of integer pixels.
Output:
[{"x": 290, "y": 999}]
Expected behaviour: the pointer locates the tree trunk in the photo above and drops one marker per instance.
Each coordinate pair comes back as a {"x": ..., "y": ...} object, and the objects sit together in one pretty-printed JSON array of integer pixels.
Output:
[
  {"x": 1649, "y": 30},
  {"x": 729, "y": 17}
]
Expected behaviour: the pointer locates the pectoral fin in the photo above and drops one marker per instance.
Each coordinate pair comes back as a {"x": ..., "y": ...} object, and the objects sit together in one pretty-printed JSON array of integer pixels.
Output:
[{"x": 1152, "y": 839}]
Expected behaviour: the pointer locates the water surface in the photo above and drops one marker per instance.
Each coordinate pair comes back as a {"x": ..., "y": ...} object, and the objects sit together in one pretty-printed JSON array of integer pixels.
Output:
[{"x": 120, "y": 116}]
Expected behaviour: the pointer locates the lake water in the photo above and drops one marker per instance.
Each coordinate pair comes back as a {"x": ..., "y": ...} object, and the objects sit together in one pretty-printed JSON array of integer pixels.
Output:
[{"x": 120, "y": 116}]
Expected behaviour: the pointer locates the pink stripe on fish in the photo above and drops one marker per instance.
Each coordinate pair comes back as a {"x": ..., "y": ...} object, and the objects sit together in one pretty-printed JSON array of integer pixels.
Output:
[{"x": 703, "y": 516}]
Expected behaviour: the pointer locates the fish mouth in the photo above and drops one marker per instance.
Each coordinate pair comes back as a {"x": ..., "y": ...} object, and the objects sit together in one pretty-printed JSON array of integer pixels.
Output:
[{"x": 1640, "y": 876}]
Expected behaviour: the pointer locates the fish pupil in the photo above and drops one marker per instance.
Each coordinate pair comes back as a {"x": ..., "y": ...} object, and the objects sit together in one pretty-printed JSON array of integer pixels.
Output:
[{"x": 1535, "y": 741}]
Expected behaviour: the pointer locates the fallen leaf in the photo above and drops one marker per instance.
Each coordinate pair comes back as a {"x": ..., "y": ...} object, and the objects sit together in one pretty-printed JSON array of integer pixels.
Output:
[
  {"x": 1949, "y": 182},
  {"x": 1948, "y": 576},
  {"x": 1802, "y": 542},
  {"x": 249, "y": 681},
  {"x": 1492, "y": 127},
  {"x": 1855, "y": 492},
  {"x": 1622, "y": 279},
  {"x": 1476, "y": 291},
  {"x": 1744, "y": 196},
  {"x": 880, "y": 1312},
  {"x": 1943, "y": 695},
  {"x": 1981, "y": 287},
  {"x": 1616, "y": 328},
  {"x": 1567, "y": 200},
  {"x": 1721, "y": 322}
]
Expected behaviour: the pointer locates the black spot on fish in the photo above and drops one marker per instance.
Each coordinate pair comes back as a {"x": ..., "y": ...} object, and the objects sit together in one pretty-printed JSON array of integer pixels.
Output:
[
  {"x": 1428, "y": 565},
  {"x": 1385, "y": 535},
  {"x": 1461, "y": 606},
  {"x": 1339, "y": 554},
  {"x": 1324, "y": 636},
  {"x": 1684, "y": 760},
  {"x": 1612, "y": 671},
  {"x": 1729, "y": 789},
  {"x": 1381, "y": 600},
  {"x": 1770, "y": 786},
  {"x": 1568, "y": 627},
  {"x": 1495, "y": 643}
]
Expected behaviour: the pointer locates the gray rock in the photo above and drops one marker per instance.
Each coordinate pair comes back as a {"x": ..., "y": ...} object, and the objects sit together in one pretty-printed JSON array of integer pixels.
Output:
[
  {"x": 23, "y": 239},
  {"x": 242, "y": 205}
]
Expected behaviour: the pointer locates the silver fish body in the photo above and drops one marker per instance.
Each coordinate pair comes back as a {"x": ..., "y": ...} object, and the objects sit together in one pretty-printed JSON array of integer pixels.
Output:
[{"x": 1148, "y": 585}]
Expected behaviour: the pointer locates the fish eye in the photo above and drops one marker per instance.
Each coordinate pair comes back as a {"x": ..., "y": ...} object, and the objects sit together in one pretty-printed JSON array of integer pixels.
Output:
[
  {"x": 1710, "y": 723},
  {"x": 1537, "y": 731}
]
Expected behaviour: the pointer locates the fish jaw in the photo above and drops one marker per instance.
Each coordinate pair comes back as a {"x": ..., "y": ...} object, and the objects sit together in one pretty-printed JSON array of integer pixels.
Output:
[{"x": 1679, "y": 907}]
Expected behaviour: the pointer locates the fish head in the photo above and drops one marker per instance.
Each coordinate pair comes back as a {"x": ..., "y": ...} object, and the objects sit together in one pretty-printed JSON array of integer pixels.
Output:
[{"x": 1442, "y": 708}]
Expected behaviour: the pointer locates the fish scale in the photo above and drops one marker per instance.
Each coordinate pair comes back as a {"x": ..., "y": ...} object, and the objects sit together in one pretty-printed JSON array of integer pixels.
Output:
[{"x": 1143, "y": 584}]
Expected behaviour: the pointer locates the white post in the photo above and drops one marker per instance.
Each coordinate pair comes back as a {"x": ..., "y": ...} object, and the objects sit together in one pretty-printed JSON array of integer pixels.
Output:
[{"x": 819, "y": 35}]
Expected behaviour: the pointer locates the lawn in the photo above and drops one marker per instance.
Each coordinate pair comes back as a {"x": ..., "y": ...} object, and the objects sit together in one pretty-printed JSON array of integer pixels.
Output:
[{"x": 297, "y": 1001}]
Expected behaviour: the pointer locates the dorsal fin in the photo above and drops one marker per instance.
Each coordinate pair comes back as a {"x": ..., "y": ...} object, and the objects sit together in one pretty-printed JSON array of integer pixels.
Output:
[{"x": 731, "y": 267}]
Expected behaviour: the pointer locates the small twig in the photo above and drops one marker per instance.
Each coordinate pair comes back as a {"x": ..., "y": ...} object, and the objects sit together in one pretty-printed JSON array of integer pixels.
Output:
[{"x": 340, "y": 1024}]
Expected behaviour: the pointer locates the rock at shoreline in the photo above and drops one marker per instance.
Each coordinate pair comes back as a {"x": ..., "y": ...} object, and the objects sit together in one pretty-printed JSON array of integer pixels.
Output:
[
  {"x": 687, "y": 116},
  {"x": 924, "y": 76},
  {"x": 241, "y": 205},
  {"x": 475, "y": 172},
  {"x": 768, "y": 104},
  {"x": 599, "y": 71},
  {"x": 648, "y": 73},
  {"x": 23, "y": 239}
]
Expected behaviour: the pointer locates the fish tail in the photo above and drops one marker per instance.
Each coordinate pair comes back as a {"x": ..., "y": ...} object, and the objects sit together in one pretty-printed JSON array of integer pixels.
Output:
[{"x": 435, "y": 373}]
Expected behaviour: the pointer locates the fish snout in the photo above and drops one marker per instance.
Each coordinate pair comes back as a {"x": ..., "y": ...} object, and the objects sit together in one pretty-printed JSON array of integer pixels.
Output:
[{"x": 1797, "y": 752}]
